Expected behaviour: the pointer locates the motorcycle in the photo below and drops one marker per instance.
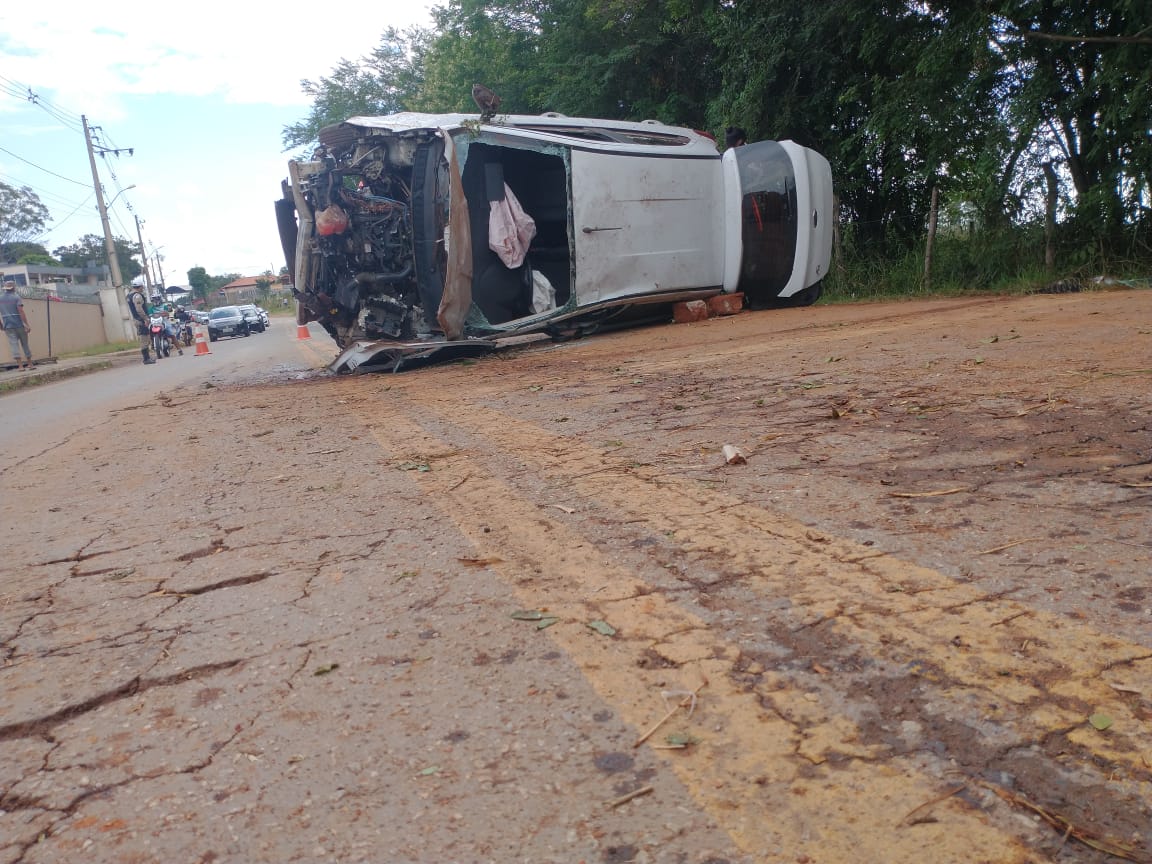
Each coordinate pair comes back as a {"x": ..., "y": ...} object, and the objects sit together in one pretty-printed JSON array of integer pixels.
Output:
[
  {"x": 184, "y": 334},
  {"x": 163, "y": 337}
]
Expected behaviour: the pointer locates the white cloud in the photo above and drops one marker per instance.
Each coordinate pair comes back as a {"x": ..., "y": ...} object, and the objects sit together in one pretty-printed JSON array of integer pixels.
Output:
[
  {"x": 201, "y": 90},
  {"x": 86, "y": 53}
]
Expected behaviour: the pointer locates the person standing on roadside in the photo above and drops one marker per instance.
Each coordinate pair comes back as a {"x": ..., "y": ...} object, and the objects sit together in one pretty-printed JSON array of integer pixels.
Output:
[
  {"x": 138, "y": 306},
  {"x": 15, "y": 324}
]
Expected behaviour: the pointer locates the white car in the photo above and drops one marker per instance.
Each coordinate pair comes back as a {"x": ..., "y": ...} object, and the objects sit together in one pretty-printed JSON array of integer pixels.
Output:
[{"x": 407, "y": 239}]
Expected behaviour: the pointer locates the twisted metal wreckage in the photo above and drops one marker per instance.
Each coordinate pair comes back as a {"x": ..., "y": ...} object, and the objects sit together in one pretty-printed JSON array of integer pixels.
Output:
[{"x": 415, "y": 237}]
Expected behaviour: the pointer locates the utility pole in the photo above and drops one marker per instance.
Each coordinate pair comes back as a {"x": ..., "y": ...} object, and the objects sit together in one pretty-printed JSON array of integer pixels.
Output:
[
  {"x": 109, "y": 245},
  {"x": 144, "y": 258},
  {"x": 160, "y": 272}
]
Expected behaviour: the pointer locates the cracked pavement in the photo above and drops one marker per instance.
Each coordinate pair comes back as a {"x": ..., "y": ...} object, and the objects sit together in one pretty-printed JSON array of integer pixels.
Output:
[{"x": 896, "y": 619}]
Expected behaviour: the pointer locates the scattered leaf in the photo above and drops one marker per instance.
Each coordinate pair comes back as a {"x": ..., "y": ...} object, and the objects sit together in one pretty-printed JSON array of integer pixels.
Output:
[
  {"x": 324, "y": 670},
  {"x": 535, "y": 388},
  {"x": 414, "y": 466},
  {"x": 602, "y": 627},
  {"x": 429, "y": 771},
  {"x": 528, "y": 615},
  {"x": 681, "y": 739},
  {"x": 545, "y": 623},
  {"x": 993, "y": 340},
  {"x": 1100, "y": 721}
]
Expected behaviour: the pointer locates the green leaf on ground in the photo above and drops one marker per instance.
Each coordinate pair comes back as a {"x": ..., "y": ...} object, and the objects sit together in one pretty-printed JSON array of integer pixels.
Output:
[
  {"x": 1100, "y": 721},
  {"x": 528, "y": 615},
  {"x": 545, "y": 623},
  {"x": 324, "y": 670},
  {"x": 414, "y": 466},
  {"x": 602, "y": 627}
]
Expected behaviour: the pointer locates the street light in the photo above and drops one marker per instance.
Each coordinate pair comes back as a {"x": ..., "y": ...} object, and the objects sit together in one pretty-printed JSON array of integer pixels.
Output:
[{"x": 118, "y": 194}]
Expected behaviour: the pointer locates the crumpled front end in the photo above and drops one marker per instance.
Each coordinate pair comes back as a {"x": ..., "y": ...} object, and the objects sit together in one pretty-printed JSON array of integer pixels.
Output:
[{"x": 363, "y": 227}]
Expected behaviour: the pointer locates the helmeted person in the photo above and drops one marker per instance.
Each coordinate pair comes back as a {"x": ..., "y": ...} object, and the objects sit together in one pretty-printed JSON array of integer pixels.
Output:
[{"x": 138, "y": 306}]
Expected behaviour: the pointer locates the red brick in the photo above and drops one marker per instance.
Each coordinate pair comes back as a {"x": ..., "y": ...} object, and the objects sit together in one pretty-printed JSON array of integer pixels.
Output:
[
  {"x": 688, "y": 311},
  {"x": 726, "y": 304}
]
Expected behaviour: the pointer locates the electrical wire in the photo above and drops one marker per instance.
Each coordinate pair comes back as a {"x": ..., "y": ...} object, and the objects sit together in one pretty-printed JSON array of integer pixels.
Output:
[
  {"x": 42, "y": 168},
  {"x": 17, "y": 90}
]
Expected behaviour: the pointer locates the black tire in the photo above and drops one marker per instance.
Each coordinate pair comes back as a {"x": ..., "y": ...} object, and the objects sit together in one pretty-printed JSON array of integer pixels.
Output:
[{"x": 212, "y": 337}]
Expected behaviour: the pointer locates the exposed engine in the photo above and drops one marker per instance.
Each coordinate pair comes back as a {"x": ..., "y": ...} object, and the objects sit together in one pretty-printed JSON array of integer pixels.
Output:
[{"x": 358, "y": 265}]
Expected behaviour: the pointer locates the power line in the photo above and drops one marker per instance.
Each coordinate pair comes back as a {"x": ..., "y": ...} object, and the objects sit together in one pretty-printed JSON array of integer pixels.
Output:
[
  {"x": 42, "y": 168},
  {"x": 46, "y": 196},
  {"x": 60, "y": 222},
  {"x": 22, "y": 91}
]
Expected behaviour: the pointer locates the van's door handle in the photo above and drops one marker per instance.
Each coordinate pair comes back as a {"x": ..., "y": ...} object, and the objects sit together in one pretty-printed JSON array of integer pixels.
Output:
[{"x": 588, "y": 230}]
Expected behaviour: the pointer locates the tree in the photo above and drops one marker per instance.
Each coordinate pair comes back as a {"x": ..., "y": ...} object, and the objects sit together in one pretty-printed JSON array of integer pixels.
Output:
[
  {"x": 90, "y": 248},
  {"x": 25, "y": 253},
  {"x": 22, "y": 215},
  {"x": 382, "y": 83},
  {"x": 199, "y": 282}
]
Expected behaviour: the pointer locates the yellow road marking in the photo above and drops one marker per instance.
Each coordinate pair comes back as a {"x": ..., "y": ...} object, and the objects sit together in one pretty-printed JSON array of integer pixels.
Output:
[{"x": 759, "y": 769}]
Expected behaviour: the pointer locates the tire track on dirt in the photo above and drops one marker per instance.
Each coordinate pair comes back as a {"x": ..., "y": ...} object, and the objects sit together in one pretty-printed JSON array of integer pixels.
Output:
[{"x": 757, "y": 768}]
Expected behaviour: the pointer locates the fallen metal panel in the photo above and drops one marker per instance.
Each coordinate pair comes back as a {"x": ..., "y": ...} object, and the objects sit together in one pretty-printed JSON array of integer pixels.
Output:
[{"x": 393, "y": 356}]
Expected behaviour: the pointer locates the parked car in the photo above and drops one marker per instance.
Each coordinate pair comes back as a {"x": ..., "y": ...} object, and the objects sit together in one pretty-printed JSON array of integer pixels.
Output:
[
  {"x": 227, "y": 321},
  {"x": 253, "y": 317},
  {"x": 417, "y": 236},
  {"x": 198, "y": 316}
]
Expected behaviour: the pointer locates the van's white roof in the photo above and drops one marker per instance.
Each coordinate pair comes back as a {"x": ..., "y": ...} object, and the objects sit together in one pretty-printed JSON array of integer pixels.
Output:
[{"x": 693, "y": 143}]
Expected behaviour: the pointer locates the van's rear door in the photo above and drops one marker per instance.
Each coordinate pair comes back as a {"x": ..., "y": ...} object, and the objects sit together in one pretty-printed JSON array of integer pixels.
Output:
[{"x": 778, "y": 211}]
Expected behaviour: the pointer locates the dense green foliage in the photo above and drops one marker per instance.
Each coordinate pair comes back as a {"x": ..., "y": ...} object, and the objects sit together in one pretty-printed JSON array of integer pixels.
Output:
[
  {"x": 90, "y": 248},
  {"x": 1021, "y": 112}
]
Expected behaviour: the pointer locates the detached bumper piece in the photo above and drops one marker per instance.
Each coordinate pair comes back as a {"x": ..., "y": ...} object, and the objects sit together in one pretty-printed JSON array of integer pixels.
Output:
[{"x": 395, "y": 357}]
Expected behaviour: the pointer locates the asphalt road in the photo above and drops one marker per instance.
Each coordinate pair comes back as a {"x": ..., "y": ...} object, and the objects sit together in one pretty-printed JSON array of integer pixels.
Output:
[
  {"x": 523, "y": 610},
  {"x": 46, "y": 415}
]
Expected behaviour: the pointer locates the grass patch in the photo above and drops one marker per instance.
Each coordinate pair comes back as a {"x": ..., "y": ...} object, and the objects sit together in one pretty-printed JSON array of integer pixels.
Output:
[{"x": 100, "y": 350}]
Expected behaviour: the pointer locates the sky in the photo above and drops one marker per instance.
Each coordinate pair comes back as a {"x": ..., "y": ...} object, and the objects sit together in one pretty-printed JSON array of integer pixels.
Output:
[{"x": 200, "y": 92}]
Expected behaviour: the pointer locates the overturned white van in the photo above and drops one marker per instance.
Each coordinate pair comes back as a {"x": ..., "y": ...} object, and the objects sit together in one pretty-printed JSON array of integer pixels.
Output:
[{"x": 416, "y": 236}]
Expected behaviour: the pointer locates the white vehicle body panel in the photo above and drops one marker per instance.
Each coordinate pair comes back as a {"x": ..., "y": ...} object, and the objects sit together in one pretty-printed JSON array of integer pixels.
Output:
[{"x": 645, "y": 225}]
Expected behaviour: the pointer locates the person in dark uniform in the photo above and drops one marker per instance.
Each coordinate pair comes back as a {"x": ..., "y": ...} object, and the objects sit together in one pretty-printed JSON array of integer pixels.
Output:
[{"x": 138, "y": 306}]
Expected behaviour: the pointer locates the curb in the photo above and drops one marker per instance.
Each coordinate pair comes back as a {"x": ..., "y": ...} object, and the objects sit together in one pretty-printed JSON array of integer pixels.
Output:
[{"x": 49, "y": 375}]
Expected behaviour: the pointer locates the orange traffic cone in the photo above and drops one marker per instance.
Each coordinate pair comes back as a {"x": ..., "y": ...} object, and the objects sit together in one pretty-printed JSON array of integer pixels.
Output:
[
  {"x": 302, "y": 332},
  {"x": 201, "y": 340}
]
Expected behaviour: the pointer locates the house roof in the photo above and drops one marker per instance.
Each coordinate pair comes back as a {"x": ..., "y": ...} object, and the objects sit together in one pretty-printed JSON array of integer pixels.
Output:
[{"x": 246, "y": 282}]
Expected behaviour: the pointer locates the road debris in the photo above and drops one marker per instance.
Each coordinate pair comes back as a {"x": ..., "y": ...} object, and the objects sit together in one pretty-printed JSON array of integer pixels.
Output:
[{"x": 733, "y": 455}]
